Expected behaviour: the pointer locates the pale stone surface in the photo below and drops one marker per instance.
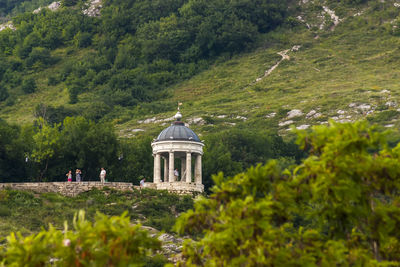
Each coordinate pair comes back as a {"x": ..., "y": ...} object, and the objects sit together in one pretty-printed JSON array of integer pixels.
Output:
[
  {"x": 93, "y": 9},
  {"x": 7, "y": 25},
  {"x": 352, "y": 105},
  {"x": 271, "y": 115},
  {"x": 53, "y": 7},
  {"x": 72, "y": 189},
  {"x": 180, "y": 187},
  {"x": 294, "y": 113},
  {"x": 284, "y": 123},
  {"x": 155, "y": 120},
  {"x": 177, "y": 145},
  {"x": 241, "y": 118},
  {"x": 197, "y": 120},
  {"x": 303, "y": 127},
  {"x": 391, "y": 104},
  {"x": 332, "y": 14},
  {"x": 296, "y": 48},
  {"x": 364, "y": 107},
  {"x": 311, "y": 113}
]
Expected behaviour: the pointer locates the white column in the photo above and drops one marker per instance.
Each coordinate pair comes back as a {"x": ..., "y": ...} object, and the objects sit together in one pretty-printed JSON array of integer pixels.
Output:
[
  {"x": 171, "y": 177},
  {"x": 157, "y": 169},
  {"x": 183, "y": 169},
  {"x": 165, "y": 169},
  {"x": 197, "y": 170},
  {"x": 188, "y": 167}
]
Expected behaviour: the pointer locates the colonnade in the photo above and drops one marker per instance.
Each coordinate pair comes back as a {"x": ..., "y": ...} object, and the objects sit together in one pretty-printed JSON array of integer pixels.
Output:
[{"x": 169, "y": 167}]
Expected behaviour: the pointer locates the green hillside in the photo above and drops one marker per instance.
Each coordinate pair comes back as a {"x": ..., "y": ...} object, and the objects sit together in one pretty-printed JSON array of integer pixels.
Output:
[
  {"x": 334, "y": 72},
  {"x": 345, "y": 74},
  {"x": 244, "y": 71}
]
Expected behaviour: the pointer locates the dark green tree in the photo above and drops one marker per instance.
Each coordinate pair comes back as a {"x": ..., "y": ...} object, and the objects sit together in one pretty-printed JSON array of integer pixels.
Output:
[
  {"x": 3, "y": 93},
  {"x": 28, "y": 86}
]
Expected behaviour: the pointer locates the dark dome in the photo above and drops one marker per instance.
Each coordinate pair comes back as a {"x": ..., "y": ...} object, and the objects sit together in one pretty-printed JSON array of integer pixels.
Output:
[{"x": 177, "y": 131}]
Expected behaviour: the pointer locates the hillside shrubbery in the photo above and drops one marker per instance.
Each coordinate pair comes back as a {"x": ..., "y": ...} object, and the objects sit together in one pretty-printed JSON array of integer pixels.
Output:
[{"x": 137, "y": 48}]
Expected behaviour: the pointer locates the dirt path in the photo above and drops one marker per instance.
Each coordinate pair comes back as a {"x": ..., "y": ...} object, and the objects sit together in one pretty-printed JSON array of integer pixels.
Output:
[{"x": 284, "y": 55}]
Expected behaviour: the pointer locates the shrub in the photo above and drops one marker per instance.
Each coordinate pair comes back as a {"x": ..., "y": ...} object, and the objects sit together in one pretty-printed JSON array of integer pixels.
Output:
[
  {"x": 109, "y": 241},
  {"x": 3, "y": 93},
  {"x": 339, "y": 207},
  {"x": 28, "y": 86}
]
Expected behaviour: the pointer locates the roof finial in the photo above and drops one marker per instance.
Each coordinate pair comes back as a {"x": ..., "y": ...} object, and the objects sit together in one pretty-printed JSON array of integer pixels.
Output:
[{"x": 178, "y": 115}]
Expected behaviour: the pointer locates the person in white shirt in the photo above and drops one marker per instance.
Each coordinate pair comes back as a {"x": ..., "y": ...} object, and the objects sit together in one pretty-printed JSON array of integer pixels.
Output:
[{"x": 103, "y": 175}]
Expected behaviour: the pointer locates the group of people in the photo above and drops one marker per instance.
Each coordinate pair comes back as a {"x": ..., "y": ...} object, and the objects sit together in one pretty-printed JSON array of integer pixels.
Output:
[
  {"x": 103, "y": 173},
  {"x": 78, "y": 175}
]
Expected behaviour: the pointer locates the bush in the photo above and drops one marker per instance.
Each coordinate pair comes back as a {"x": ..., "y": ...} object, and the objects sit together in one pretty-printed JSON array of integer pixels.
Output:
[
  {"x": 28, "y": 86},
  {"x": 39, "y": 57},
  {"x": 108, "y": 241},
  {"x": 3, "y": 93},
  {"x": 339, "y": 206},
  {"x": 4, "y": 211},
  {"x": 83, "y": 39}
]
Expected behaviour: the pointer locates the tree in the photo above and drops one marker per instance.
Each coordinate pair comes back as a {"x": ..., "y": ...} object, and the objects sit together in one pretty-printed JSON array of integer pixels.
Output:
[
  {"x": 3, "y": 93},
  {"x": 69, "y": 2},
  {"x": 47, "y": 143},
  {"x": 29, "y": 86},
  {"x": 339, "y": 207},
  {"x": 40, "y": 57},
  {"x": 11, "y": 153},
  {"x": 89, "y": 146},
  {"x": 135, "y": 159}
]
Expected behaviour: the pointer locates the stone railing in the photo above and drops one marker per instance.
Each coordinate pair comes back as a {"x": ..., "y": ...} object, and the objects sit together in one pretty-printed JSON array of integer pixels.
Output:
[{"x": 67, "y": 188}]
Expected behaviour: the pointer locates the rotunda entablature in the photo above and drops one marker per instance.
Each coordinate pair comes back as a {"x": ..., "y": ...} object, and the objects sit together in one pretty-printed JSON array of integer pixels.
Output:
[{"x": 178, "y": 145}]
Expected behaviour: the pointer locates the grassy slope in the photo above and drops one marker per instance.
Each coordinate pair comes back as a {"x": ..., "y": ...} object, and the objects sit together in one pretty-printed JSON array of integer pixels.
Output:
[
  {"x": 351, "y": 64},
  {"x": 28, "y": 212}
]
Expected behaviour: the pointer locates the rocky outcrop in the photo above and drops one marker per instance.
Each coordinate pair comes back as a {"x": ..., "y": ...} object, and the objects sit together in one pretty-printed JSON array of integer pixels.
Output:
[
  {"x": 53, "y": 7},
  {"x": 7, "y": 25},
  {"x": 93, "y": 9}
]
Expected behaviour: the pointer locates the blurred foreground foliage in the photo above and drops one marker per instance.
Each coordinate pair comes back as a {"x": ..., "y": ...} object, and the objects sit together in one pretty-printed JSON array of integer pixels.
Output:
[
  {"x": 109, "y": 241},
  {"x": 339, "y": 207}
]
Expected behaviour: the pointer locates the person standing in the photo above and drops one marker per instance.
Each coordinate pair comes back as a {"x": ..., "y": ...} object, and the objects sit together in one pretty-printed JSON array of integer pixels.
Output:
[
  {"x": 69, "y": 176},
  {"x": 78, "y": 175},
  {"x": 176, "y": 174},
  {"x": 103, "y": 175},
  {"x": 142, "y": 182}
]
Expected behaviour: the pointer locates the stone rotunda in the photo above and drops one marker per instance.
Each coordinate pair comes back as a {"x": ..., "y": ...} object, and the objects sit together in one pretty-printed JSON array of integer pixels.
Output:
[{"x": 178, "y": 145}]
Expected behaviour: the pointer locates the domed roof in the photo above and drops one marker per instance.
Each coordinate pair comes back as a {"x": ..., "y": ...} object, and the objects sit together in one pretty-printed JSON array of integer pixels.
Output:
[{"x": 177, "y": 131}]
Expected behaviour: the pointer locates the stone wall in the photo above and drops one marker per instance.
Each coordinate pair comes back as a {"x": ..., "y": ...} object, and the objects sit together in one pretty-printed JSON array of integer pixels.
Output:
[
  {"x": 180, "y": 188},
  {"x": 67, "y": 188},
  {"x": 73, "y": 188}
]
